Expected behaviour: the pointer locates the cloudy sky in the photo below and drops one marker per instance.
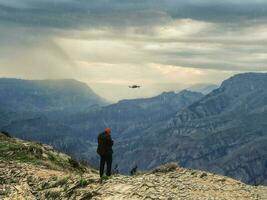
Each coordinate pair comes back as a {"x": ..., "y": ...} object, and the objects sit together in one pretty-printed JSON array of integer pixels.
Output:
[{"x": 162, "y": 45}]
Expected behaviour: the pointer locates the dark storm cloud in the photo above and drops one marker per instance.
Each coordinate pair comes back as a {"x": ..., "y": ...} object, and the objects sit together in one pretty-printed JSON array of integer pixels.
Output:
[
  {"x": 80, "y": 13},
  {"x": 210, "y": 37}
]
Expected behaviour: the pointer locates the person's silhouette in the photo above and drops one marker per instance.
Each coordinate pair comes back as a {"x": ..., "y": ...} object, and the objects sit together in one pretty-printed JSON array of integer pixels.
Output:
[{"x": 105, "y": 151}]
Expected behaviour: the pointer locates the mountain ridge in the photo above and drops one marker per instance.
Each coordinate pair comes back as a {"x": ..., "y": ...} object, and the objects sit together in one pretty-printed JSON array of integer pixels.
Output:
[
  {"x": 46, "y": 95},
  {"x": 210, "y": 130},
  {"x": 204, "y": 88}
]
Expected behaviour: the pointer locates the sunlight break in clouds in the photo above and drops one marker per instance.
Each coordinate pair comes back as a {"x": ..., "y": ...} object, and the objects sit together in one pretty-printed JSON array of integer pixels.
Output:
[
  {"x": 182, "y": 28},
  {"x": 163, "y": 46}
]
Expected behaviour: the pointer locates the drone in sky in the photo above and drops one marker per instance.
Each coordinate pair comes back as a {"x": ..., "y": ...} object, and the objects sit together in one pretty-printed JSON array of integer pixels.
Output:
[{"x": 134, "y": 86}]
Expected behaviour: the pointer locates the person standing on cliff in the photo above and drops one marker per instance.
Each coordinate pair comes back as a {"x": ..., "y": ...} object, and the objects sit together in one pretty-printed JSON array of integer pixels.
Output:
[{"x": 104, "y": 149}]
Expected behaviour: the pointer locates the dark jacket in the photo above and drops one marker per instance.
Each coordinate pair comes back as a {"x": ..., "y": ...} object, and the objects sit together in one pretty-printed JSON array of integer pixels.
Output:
[{"x": 105, "y": 144}]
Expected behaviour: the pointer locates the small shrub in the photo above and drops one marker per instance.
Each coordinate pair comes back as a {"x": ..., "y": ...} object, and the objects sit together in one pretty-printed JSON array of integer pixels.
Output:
[
  {"x": 203, "y": 175},
  {"x": 84, "y": 162},
  {"x": 5, "y": 192},
  {"x": 166, "y": 168},
  {"x": 87, "y": 196},
  {"x": 51, "y": 157},
  {"x": 45, "y": 185},
  {"x": 83, "y": 182},
  {"x": 6, "y": 134},
  {"x": 193, "y": 173},
  {"x": 74, "y": 163},
  {"x": 52, "y": 194},
  {"x": 61, "y": 182},
  {"x": 37, "y": 152}
]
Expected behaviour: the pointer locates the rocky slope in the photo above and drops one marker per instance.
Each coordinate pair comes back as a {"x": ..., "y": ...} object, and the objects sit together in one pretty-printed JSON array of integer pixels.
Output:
[{"x": 33, "y": 171}]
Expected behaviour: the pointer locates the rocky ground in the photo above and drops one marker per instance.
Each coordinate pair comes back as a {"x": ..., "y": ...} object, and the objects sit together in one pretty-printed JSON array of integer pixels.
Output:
[
  {"x": 44, "y": 174},
  {"x": 23, "y": 181}
]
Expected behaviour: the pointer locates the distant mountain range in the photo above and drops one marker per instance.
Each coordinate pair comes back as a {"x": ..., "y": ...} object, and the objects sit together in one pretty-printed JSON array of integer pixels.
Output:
[
  {"x": 36, "y": 109},
  {"x": 223, "y": 131},
  {"x": 46, "y": 95},
  {"x": 76, "y": 133},
  {"x": 23, "y": 100}
]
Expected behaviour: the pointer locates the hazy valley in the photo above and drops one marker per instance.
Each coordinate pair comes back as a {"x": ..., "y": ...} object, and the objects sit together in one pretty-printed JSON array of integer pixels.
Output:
[{"x": 223, "y": 131}]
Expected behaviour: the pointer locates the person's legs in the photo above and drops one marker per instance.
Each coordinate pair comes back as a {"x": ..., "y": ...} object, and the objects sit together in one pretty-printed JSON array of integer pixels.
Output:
[
  {"x": 109, "y": 164},
  {"x": 102, "y": 165}
]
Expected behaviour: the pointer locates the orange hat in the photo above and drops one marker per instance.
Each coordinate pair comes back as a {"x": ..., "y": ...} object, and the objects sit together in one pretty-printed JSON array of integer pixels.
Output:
[{"x": 108, "y": 130}]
